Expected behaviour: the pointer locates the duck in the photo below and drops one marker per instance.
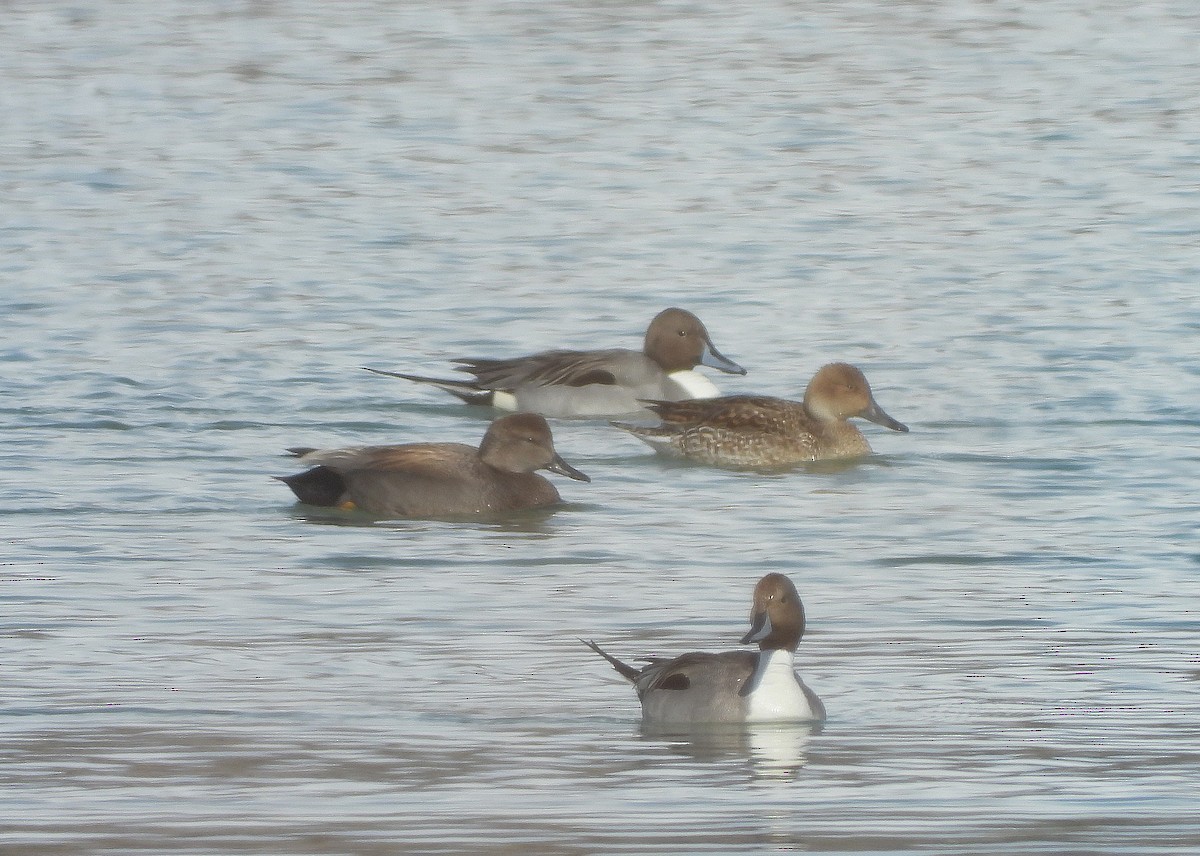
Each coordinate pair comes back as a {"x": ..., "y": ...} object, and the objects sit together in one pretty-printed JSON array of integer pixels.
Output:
[
  {"x": 438, "y": 479},
  {"x": 702, "y": 688},
  {"x": 763, "y": 432},
  {"x": 599, "y": 383}
]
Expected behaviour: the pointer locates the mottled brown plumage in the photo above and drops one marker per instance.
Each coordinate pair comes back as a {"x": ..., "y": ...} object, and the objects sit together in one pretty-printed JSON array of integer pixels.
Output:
[{"x": 762, "y": 431}]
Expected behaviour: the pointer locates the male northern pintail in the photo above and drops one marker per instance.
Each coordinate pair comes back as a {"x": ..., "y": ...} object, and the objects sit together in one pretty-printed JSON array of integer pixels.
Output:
[
  {"x": 760, "y": 431},
  {"x": 595, "y": 383},
  {"x": 733, "y": 686},
  {"x": 438, "y": 479}
]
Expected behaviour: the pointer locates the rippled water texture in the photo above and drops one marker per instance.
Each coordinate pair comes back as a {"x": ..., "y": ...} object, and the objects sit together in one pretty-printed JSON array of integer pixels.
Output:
[{"x": 215, "y": 213}]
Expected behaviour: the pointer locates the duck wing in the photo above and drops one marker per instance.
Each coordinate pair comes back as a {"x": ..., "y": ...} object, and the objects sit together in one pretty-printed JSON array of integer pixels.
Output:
[
  {"x": 550, "y": 368},
  {"x": 730, "y": 412}
]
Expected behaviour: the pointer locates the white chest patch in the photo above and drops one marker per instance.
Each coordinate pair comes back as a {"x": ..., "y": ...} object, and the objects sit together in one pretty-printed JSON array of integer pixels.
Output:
[
  {"x": 776, "y": 694},
  {"x": 695, "y": 384}
]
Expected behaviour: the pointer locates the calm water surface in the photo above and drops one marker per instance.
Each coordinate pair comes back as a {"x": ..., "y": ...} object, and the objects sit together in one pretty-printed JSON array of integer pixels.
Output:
[{"x": 216, "y": 213}]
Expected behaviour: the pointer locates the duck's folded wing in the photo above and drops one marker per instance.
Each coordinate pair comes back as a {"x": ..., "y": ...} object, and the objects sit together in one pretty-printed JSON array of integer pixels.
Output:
[
  {"x": 431, "y": 459},
  {"x": 732, "y": 412},
  {"x": 702, "y": 671},
  {"x": 549, "y": 368}
]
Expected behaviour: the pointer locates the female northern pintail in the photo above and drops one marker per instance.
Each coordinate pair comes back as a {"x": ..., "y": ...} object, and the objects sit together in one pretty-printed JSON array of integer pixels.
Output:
[
  {"x": 595, "y": 383},
  {"x": 733, "y": 686},
  {"x": 759, "y": 431},
  {"x": 438, "y": 479}
]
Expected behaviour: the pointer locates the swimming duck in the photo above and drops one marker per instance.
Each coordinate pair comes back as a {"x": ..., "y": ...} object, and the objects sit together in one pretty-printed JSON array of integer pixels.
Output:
[
  {"x": 438, "y": 479},
  {"x": 733, "y": 686},
  {"x": 569, "y": 383},
  {"x": 762, "y": 432}
]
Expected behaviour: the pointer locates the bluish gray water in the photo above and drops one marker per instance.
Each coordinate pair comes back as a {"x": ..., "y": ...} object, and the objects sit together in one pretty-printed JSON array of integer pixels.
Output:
[{"x": 215, "y": 213}]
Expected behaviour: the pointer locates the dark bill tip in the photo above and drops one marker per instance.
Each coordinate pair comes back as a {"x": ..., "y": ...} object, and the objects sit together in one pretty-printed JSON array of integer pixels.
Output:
[
  {"x": 760, "y": 626},
  {"x": 714, "y": 359},
  {"x": 558, "y": 465},
  {"x": 875, "y": 414}
]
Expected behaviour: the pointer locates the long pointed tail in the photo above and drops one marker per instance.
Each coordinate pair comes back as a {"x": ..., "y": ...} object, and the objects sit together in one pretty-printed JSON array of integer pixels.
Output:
[
  {"x": 660, "y": 438},
  {"x": 644, "y": 431},
  {"x": 627, "y": 671},
  {"x": 467, "y": 390}
]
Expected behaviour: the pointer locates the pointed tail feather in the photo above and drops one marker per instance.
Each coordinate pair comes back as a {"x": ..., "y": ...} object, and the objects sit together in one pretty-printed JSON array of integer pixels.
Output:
[
  {"x": 467, "y": 390},
  {"x": 626, "y": 671},
  {"x": 660, "y": 438},
  {"x": 645, "y": 430}
]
